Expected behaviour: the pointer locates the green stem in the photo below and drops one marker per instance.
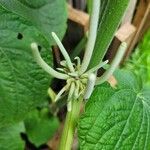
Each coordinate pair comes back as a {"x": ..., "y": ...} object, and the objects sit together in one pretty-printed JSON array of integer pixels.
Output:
[{"x": 70, "y": 126}]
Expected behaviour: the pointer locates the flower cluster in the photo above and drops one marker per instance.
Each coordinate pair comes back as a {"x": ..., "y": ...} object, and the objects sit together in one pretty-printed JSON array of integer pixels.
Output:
[
  {"x": 77, "y": 83},
  {"x": 79, "y": 80}
]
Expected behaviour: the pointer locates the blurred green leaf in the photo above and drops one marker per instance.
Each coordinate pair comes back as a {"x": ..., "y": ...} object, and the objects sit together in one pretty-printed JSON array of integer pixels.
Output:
[
  {"x": 40, "y": 126},
  {"x": 139, "y": 62},
  {"x": 10, "y": 138},
  {"x": 127, "y": 79}
]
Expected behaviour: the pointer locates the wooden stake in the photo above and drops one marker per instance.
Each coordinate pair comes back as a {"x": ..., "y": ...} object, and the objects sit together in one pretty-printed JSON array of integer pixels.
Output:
[{"x": 79, "y": 17}]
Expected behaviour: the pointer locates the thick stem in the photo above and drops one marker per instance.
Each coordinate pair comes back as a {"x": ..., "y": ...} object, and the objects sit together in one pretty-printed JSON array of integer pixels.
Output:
[{"x": 70, "y": 126}]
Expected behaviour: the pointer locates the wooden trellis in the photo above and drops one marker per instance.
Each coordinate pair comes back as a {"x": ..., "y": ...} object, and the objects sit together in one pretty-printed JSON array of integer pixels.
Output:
[
  {"x": 132, "y": 28},
  {"x": 134, "y": 24}
]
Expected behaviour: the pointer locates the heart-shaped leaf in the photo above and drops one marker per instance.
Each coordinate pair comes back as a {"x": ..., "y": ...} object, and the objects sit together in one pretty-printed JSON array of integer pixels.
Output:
[{"x": 116, "y": 119}]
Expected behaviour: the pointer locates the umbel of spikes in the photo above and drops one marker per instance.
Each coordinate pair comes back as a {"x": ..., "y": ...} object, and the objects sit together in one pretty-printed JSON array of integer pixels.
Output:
[{"x": 79, "y": 80}]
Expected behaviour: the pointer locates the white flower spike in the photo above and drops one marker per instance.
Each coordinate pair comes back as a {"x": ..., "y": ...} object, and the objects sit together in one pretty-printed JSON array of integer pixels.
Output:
[
  {"x": 79, "y": 80},
  {"x": 92, "y": 36},
  {"x": 63, "y": 51},
  {"x": 116, "y": 61},
  {"x": 44, "y": 65},
  {"x": 77, "y": 84}
]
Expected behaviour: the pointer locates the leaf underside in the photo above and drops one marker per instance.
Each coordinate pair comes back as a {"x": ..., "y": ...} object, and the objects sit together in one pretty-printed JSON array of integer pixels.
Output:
[
  {"x": 110, "y": 16},
  {"x": 116, "y": 119},
  {"x": 23, "y": 84}
]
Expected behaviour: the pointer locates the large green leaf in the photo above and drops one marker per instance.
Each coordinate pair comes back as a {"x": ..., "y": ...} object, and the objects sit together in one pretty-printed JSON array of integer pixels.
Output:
[
  {"x": 23, "y": 84},
  {"x": 110, "y": 17},
  {"x": 116, "y": 119},
  {"x": 10, "y": 137},
  {"x": 40, "y": 126}
]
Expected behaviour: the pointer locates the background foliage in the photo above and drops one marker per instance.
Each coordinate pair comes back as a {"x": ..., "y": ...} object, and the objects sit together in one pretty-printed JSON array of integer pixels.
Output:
[{"x": 139, "y": 62}]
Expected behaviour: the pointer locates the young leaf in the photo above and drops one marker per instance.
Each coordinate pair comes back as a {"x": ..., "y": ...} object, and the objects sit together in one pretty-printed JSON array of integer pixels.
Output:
[
  {"x": 116, "y": 119},
  {"x": 110, "y": 17},
  {"x": 40, "y": 127},
  {"x": 10, "y": 137},
  {"x": 23, "y": 84}
]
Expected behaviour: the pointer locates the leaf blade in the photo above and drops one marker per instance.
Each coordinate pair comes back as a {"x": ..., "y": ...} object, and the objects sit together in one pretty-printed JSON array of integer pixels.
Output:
[{"x": 116, "y": 119}]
